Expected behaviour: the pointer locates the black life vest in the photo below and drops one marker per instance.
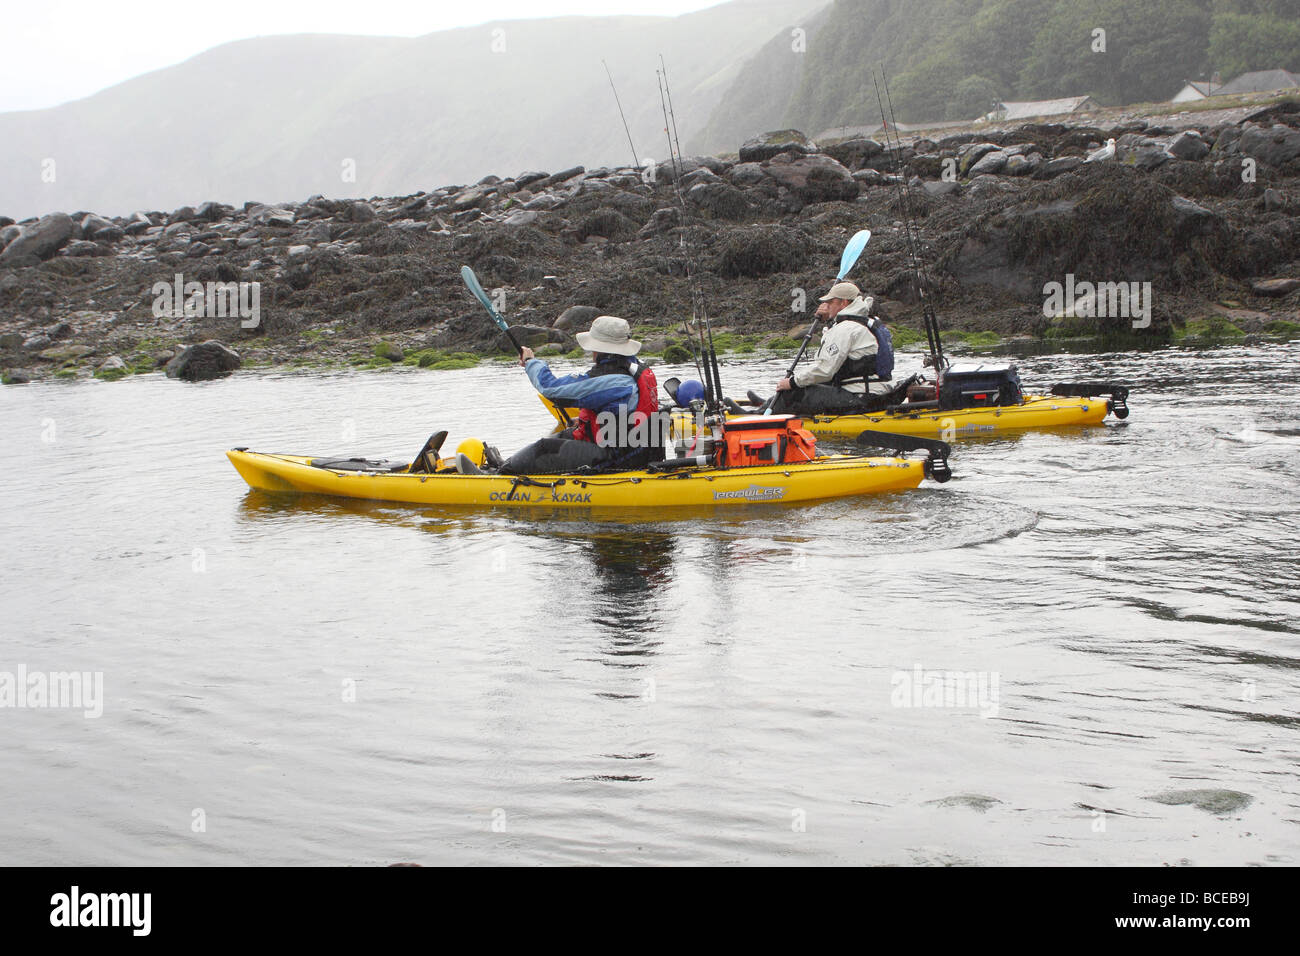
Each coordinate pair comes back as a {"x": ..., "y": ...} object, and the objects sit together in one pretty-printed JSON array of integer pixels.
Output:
[{"x": 875, "y": 367}]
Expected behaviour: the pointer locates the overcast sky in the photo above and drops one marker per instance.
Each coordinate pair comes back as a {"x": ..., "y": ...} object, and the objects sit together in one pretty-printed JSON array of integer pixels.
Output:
[{"x": 60, "y": 50}]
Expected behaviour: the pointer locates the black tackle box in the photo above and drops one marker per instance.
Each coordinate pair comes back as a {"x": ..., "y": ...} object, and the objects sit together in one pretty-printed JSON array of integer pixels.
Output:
[{"x": 979, "y": 386}]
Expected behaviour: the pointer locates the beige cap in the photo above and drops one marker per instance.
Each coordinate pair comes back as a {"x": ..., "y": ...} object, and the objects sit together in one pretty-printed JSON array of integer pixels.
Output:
[
  {"x": 609, "y": 336},
  {"x": 842, "y": 290}
]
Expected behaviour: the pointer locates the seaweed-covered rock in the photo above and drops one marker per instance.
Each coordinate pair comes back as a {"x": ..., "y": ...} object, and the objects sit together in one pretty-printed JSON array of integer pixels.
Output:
[
  {"x": 761, "y": 148},
  {"x": 763, "y": 250},
  {"x": 813, "y": 178},
  {"x": 207, "y": 360}
]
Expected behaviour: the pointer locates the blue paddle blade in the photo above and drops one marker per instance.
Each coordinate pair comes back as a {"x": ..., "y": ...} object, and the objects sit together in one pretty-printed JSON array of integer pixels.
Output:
[
  {"x": 471, "y": 282},
  {"x": 852, "y": 251}
]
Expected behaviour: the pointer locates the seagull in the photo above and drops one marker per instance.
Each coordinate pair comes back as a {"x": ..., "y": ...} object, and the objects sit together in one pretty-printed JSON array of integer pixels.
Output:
[{"x": 1103, "y": 154}]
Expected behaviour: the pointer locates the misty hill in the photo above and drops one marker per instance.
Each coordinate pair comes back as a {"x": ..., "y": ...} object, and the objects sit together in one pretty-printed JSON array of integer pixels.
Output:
[
  {"x": 950, "y": 59},
  {"x": 277, "y": 117}
]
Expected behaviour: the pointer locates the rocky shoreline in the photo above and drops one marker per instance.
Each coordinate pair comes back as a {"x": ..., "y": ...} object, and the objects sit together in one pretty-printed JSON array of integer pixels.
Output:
[{"x": 1208, "y": 214}]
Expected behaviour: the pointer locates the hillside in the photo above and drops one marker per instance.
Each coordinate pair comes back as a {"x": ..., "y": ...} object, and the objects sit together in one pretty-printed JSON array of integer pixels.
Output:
[
  {"x": 950, "y": 59},
  {"x": 277, "y": 117}
]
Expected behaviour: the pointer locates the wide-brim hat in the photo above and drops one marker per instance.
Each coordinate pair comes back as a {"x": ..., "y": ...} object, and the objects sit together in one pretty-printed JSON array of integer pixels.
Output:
[{"x": 609, "y": 336}]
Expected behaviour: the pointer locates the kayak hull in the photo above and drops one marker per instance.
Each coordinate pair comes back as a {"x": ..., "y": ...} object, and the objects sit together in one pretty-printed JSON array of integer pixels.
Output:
[
  {"x": 834, "y": 476},
  {"x": 1037, "y": 411}
]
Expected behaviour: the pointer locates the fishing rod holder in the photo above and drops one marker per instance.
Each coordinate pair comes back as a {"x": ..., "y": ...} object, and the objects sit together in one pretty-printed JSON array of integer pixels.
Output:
[
  {"x": 1118, "y": 401},
  {"x": 937, "y": 452}
]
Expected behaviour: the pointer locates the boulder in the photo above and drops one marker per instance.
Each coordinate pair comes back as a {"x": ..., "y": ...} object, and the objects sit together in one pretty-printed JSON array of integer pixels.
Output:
[
  {"x": 524, "y": 179},
  {"x": 1278, "y": 146},
  {"x": 768, "y": 145},
  {"x": 662, "y": 220},
  {"x": 91, "y": 224},
  {"x": 721, "y": 200},
  {"x": 990, "y": 163},
  {"x": 1274, "y": 288},
  {"x": 746, "y": 174},
  {"x": 470, "y": 198},
  {"x": 207, "y": 360},
  {"x": 853, "y": 153},
  {"x": 137, "y": 224},
  {"x": 212, "y": 211},
  {"x": 84, "y": 247},
  {"x": 1055, "y": 167},
  {"x": 11, "y": 340},
  {"x": 64, "y": 353},
  {"x": 260, "y": 214},
  {"x": 972, "y": 153},
  {"x": 813, "y": 178},
  {"x": 184, "y": 214},
  {"x": 9, "y": 233},
  {"x": 39, "y": 241},
  {"x": 1189, "y": 145},
  {"x": 320, "y": 232},
  {"x": 1022, "y": 164},
  {"x": 524, "y": 217},
  {"x": 1228, "y": 141},
  {"x": 940, "y": 187},
  {"x": 1148, "y": 157},
  {"x": 563, "y": 175},
  {"x": 576, "y": 318},
  {"x": 361, "y": 212}
]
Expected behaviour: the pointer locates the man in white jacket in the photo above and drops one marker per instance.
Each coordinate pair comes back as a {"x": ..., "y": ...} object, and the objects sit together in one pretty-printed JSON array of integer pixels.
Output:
[{"x": 838, "y": 379}]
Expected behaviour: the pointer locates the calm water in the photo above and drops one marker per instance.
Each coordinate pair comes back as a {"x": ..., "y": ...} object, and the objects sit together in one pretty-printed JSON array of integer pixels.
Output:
[{"x": 321, "y": 682}]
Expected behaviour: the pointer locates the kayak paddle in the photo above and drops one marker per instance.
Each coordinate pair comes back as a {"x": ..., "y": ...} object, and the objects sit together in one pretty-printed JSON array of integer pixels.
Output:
[{"x": 471, "y": 282}]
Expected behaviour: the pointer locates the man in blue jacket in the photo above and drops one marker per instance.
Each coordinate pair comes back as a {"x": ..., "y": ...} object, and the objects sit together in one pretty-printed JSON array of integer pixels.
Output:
[{"x": 612, "y": 385}]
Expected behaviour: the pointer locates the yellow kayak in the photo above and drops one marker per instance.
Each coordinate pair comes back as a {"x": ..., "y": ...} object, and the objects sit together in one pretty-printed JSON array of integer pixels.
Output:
[
  {"x": 831, "y": 476},
  {"x": 1037, "y": 411}
]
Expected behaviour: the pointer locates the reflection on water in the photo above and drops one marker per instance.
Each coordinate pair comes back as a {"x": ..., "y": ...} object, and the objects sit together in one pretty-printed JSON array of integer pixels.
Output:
[{"x": 340, "y": 681}]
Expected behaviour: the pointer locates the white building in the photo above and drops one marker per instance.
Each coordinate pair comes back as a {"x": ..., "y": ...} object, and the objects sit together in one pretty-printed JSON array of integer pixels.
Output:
[
  {"x": 1009, "y": 110},
  {"x": 1195, "y": 90}
]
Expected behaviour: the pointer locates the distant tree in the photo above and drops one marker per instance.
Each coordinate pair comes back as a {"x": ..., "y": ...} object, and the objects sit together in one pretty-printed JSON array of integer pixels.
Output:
[
  {"x": 971, "y": 98},
  {"x": 1150, "y": 47},
  {"x": 1241, "y": 42}
]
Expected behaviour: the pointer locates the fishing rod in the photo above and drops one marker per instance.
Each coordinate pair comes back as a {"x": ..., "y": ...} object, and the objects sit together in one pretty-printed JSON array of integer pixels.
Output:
[
  {"x": 920, "y": 278},
  {"x": 636, "y": 164},
  {"x": 709, "y": 371},
  {"x": 711, "y": 355}
]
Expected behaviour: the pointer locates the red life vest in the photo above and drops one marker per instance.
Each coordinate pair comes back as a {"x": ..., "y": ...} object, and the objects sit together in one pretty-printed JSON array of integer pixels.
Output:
[{"x": 646, "y": 405}]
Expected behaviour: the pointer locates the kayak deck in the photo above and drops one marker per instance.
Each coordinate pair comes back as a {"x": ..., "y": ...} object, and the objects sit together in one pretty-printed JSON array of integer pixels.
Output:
[{"x": 833, "y": 476}]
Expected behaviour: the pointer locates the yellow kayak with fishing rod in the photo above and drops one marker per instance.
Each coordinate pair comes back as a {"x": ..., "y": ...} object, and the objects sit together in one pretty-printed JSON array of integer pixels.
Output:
[
  {"x": 749, "y": 461},
  {"x": 924, "y": 419}
]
